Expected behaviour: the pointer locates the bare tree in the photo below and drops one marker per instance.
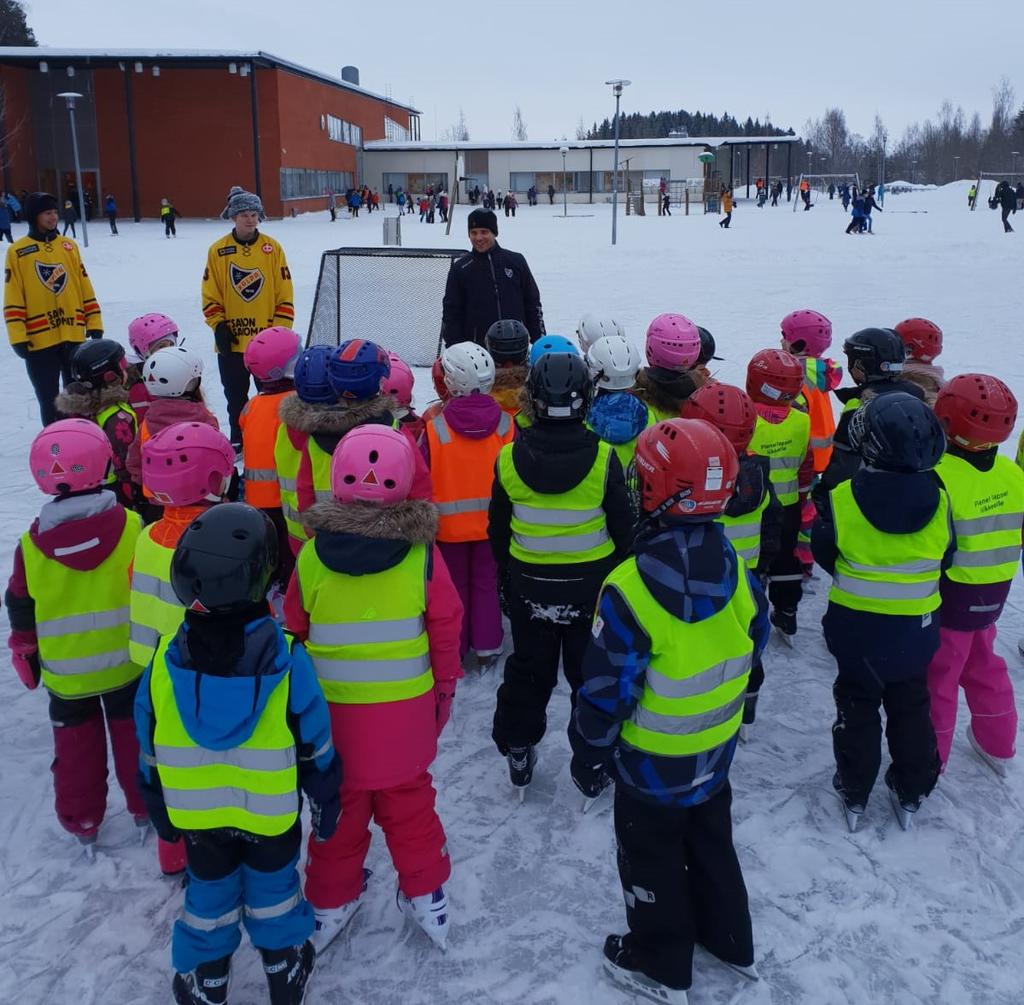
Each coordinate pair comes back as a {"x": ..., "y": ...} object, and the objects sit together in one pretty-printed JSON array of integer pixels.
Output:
[
  {"x": 518, "y": 124},
  {"x": 582, "y": 131},
  {"x": 459, "y": 132}
]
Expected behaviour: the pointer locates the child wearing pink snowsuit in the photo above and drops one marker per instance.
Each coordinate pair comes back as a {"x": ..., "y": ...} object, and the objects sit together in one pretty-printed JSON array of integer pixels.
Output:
[{"x": 364, "y": 551}]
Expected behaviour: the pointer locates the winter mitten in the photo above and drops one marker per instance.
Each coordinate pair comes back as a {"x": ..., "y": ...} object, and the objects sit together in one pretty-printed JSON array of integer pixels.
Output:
[
  {"x": 443, "y": 708},
  {"x": 20, "y": 350},
  {"x": 25, "y": 658},
  {"x": 590, "y": 779},
  {"x": 223, "y": 337},
  {"x": 324, "y": 817}
]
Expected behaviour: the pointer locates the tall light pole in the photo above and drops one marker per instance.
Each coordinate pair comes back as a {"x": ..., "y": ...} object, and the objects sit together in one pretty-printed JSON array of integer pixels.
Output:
[
  {"x": 565, "y": 209},
  {"x": 1014, "y": 154},
  {"x": 69, "y": 97},
  {"x": 956, "y": 168},
  {"x": 617, "y": 88}
]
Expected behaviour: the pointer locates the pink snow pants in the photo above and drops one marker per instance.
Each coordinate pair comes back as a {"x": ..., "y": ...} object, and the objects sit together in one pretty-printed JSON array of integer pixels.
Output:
[
  {"x": 415, "y": 837},
  {"x": 967, "y": 660},
  {"x": 471, "y": 566}
]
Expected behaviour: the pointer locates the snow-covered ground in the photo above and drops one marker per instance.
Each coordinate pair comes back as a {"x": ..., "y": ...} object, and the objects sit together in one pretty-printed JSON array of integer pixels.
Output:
[{"x": 935, "y": 915}]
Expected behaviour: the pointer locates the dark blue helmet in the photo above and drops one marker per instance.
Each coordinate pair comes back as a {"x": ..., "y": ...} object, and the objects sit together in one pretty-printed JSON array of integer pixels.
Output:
[
  {"x": 356, "y": 369},
  {"x": 880, "y": 352},
  {"x": 897, "y": 432},
  {"x": 560, "y": 387},
  {"x": 312, "y": 384}
]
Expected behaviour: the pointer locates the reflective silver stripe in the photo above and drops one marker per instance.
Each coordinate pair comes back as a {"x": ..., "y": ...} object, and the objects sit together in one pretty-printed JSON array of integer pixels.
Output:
[
  {"x": 820, "y": 442},
  {"x": 370, "y": 671},
  {"x": 751, "y": 554},
  {"x": 358, "y": 633},
  {"x": 554, "y": 517},
  {"x": 318, "y": 753},
  {"x": 227, "y": 796},
  {"x": 462, "y": 506},
  {"x": 143, "y": 635},
  {"x": 75, "y": 624},
  {"x": 211, "y": 924},
  {"x": 700, "y": 683},
  {"x": 287, "y": 484},
  {"x": 324, "y": 495},
  {"x": 987, "y": 524},
  {"x": 786, "y": 487},
  {"x": 148, "y": 759},
  {"x": 290, "y": 513},
  {"x": 984, "y": 608},
  {"x": 684, "y": 725},
  {"x": 236, "y": 757},
  {"x": 572, "y": 542},
  {"x": 260, "y": 475},
  {"x": 783, "y": 464},
  {"x": 504, "y": 424},
  {"x": 154, "y": 586},
  {"x": 87, "y": 664},
  {"x": 912, "y": 568},
  {"x": 736, "y": 531},
  {"x": 441, "y": 429},
  {"x": 274, "y": 910},
  {"x": 885, "y": 591},
  {"x": 985, "y": 557}
]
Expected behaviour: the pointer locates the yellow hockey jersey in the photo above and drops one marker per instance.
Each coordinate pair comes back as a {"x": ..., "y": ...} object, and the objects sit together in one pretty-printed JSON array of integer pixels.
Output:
[
  {"x": 48, "y": 295},
  {"x": 247, "y": 285}
]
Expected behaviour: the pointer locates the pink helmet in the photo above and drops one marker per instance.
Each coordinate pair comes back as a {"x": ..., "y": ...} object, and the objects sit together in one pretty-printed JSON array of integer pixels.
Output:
[
  {"x": 271, "y": 355},
  {"x": 147, "y": 331},
  {"x": 373, "y": 464},
  {"x": 809, "y": 327},
  {"x": 72, "y": 455},
  {"x": 673, "y": 342},
  {"x": 187, "y": 463},
  {"x": 399, "y": 383}
]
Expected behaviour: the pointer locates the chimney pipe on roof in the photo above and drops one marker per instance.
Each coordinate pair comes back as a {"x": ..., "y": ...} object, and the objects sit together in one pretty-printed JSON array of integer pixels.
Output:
[{"x": 350, "y": 74}]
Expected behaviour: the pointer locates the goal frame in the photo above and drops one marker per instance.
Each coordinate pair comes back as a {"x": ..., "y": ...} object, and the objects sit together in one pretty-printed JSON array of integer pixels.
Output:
[{"x": 853, "y": 176}]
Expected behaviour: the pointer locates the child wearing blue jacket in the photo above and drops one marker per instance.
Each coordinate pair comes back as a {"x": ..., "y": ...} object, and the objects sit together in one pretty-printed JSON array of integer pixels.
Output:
[{"x": 232, "y": 724}]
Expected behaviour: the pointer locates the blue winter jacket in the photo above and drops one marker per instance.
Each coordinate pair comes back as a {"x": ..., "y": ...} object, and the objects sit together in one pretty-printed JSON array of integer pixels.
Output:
[
  {"x": 617, "y": 416},
  {"x": 5, "y": 215},
  {"x": 692, "y": 572},
  {"x": 220, "y": 712}
]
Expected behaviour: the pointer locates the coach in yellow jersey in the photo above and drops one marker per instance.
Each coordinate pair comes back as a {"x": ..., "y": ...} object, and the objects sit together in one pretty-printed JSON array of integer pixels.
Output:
[
  {"x": 247, "y": 287},
  {"x": 49, "y": 303}
]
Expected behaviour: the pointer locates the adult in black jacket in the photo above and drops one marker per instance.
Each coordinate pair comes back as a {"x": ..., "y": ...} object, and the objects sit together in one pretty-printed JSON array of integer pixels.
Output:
[
  {"x": 487, "y": 285},
  {"x": 1007, "y": 199}
]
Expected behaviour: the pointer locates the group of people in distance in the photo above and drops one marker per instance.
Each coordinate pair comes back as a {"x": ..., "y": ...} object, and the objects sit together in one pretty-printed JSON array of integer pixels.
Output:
[{"x": 639, "y": 522}]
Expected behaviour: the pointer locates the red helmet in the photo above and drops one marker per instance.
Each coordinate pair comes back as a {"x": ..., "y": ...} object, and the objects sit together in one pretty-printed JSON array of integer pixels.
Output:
[
  {"x": 976, "y": 410},
  {"x": 727, "y": 408},
  {"x": 437, "y": 376},
  {"x": 922, "y": 338},
  {"x": 685, "y": 467},
  {"x": 774, "y": 377}
]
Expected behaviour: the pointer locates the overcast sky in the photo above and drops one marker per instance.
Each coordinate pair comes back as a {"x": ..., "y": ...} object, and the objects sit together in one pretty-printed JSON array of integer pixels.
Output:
[{"x": 900, "y": 58}]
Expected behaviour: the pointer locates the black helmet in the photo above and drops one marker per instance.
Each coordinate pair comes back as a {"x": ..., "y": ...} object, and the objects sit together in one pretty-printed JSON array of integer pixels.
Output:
[
  {"x": 560, "y": 387},
  {"x": 880, "y": 351},
  {"x": 98, "y": 363},
  {"x": 508, "y": 342},
  {"x": 707, "y": 346},
  {"x": 225, "y": 559},
  {"x": 897, "y": 432}
]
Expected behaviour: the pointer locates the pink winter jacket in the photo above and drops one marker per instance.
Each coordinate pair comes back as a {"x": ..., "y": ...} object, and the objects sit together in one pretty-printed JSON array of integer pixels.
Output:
[
  {"x": 386, "y": 744},
  {"x": 164, "y": 412}
]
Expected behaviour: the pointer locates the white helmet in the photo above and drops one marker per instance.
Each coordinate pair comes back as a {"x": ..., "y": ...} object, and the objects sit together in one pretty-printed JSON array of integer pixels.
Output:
[
  {"x": 592, "y": 327},
  {"x": 172, "y": 372},
  {"x": 614, "y": 363},
  {"x": 467, "y": 367}
]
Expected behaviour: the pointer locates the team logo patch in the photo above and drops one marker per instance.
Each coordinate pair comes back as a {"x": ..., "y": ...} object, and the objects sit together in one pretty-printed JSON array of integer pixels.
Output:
[
  {"x": 29, "y": 249},
  {"x": 67, "y": 245},
  {"x": 247, "y": 282},
  {"x": 508, "y": 272},
  {"x": 230, "y": 250},
  {"x": 53, "y": 277},
  {"x": 268, "y": 249}
]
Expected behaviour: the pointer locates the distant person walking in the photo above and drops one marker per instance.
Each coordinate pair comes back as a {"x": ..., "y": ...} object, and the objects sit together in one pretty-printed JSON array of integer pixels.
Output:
[
  {"x": 332, "y": 206},
  {"x": 726, "y": 209},
  {"x": 1006, "y": 197},
  {"x": 972, "y": 196},
  {"x": 551, "y": 194},
  {"x": 5, "y": 220},
  {"x": 805, "y": 193},
  {"x": 168, "y": 214},
  {"x": 666, "y": 200},
  {"x": 880, "y": 194},
  {"x": 70, "y": 217},
  {"x": 110, "y": 212}
]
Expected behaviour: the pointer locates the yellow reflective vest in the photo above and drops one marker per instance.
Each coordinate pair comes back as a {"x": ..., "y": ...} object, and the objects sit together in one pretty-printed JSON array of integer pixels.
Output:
[
  {"x": 785, "y": 445},
  {"x": 155, "y": 608},
  {"x": 697, "y": 674},
  {"x": 287, "y": 460},
  {"x": 988, "y": 510},
  {"x": 560, "y": 528},
  {"x": 82, "y": 618},
  {"x": 886, "y": 573},
  {"x": 109, "y": 412},
  {"x": 252, "y": 787},
  {"x": 367, "y": 634},
  {"x": 744, "y": 532}
]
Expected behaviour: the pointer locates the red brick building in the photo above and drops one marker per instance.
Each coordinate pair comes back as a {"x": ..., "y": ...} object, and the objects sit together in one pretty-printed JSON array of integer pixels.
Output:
[{"x": 186, "y": 126}]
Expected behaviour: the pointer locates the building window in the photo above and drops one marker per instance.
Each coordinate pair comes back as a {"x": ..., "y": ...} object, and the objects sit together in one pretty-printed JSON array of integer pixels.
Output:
[
  {"x": 308, "y": 183},
  {"x": 395, "y": 132},
  {"x": 416, "y": 183},
  {"x": 344, "y": 132}
]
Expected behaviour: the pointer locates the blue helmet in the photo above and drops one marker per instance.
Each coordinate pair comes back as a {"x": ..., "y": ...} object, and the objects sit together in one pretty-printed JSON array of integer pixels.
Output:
[
  {"x": 356, "y": 369},
  {"x": 311, "y": 381},
  {"x": 552, "y": 343}
]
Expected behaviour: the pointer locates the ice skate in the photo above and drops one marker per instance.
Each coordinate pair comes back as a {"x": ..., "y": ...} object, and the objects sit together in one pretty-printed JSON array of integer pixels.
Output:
[
  {"x": 288, "y": 972},
  {"x": 331, "y": 922},
  {"x": 997, "y": 764},
  {"x": 588, "y": 801},
  {"x": 430, "y": 912},
  {"x": 143, "y": 826},
  {"x": 486, "y": 662},
  {"x": 521, "y": 761},
  {"x": 904, "y": 809},
  {"x": 88, "y": 843},
  {"x": 853, "y": 811},
  {"x": 171, "y": 856},
  {"x": 784, "y": 622},
  {"x": 206, "y": 985},
  {"x": 749, "y": 972},
  {"x": 625, "y": 973}
]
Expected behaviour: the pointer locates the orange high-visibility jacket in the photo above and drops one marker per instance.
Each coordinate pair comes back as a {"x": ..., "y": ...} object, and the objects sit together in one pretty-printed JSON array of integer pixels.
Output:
[{"x": 259, "y": 422}]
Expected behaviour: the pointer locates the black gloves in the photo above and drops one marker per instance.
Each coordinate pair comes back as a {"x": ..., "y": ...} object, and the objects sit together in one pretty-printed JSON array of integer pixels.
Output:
[
  {"x": 20, "y": 350},
  {"x": 590, "y": 779},
  {"x": 324, "y": 817},
  {"x": 95, "y": 333},
  {"x": 223, "y": 337}
]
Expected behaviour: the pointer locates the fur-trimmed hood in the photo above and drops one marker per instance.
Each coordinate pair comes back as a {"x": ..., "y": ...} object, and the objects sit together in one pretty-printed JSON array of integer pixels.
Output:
[
  {"x": 78, "y": 400},
  {"x": 333, "y": 420},
  {"x": 360, "y": 538},
  {"x": 508, "y": 377},
  {"x": 666, "y": 390}
]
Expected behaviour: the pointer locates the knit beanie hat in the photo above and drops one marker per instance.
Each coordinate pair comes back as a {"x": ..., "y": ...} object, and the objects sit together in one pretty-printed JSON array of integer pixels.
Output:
[
  {"x": 483, "y": 219},
  {"x": 240, "y": 201},
  {"x": 36, "y": 203}
]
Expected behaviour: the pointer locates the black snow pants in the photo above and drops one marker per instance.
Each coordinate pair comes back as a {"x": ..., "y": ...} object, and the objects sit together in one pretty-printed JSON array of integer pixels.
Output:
[
  {"x": 683, "y": 885},
  {"x": 47, "y": 369},
  {"x": 1007, "y": 229},
  {"x": 234, "y": 378},
  {"x": 785, "y": 574}
]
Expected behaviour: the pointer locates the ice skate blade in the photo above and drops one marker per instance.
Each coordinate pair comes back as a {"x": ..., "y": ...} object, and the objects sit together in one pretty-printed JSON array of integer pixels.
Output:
[
  {"x": 997, "y": 764},
  {"x": 904, "y": 817},
  {"x": 787, "y": 640},
  {"x": 750, "y": 972},
  {"x": 854, "y": 815},
  {"x": 521, "y": 792},
  {"x": 642, "y": 985},
  {"x": 746, "y": 733}
]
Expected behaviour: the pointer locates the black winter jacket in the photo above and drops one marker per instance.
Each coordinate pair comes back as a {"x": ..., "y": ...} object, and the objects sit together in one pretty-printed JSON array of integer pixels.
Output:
[{"x": 489, "y": 287}]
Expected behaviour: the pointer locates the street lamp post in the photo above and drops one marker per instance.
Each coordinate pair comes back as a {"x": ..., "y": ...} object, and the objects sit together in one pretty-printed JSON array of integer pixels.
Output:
[
  {"x": 70, "y": 97},
  {"x": 565, "y": 208},
  {"x": 617, "y": 88},
  {"x": 956, "y": 169},
  {"x": 913, "y": 172},
  {"x": 1014, "y": 154}
]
